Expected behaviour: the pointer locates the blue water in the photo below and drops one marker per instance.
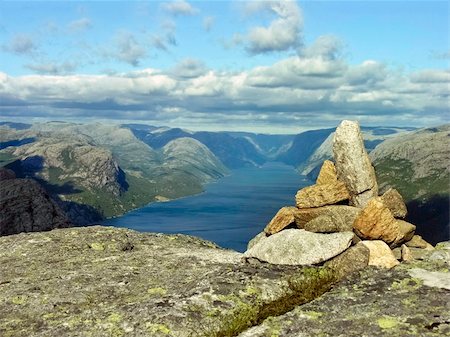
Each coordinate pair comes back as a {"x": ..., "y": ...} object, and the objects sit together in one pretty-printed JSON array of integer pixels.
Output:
[{"x": 230, "y": 212}]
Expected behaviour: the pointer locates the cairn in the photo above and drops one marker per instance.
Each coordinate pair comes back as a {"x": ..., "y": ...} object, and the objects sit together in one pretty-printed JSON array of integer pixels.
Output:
[{"x": 341, "y": 221}]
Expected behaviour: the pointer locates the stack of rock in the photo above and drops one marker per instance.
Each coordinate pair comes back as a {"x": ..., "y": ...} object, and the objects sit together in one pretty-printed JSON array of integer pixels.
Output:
[{"x": 341, "y": 221}]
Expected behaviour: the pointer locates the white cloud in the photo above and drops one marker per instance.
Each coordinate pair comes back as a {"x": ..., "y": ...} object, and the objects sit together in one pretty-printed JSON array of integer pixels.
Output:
[
  {"x": 189, "y": 68},
  {"x": 79, "y": 25},
  {"x": 20, "y": 44},
  {"x": 283, "y": 33},
  {"x": 52, "y": 68},
  {"x": 208, "y": 22},
  {"x": 179, "y": 7},
  {"x": 127, "y": 49}
]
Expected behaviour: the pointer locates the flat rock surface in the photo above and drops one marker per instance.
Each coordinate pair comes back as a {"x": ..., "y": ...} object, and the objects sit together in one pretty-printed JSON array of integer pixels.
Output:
[
  {"x": 105, "y": 281},
  {"x": 408, "y": 300},
  {"x": 300, "y": 247}
]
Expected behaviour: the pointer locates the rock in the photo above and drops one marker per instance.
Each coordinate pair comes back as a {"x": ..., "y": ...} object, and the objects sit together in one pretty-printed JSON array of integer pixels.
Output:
[
  {"x": 26, "y": 207},
  {"x": 394, "y": 201},
  {"x": 397, "y": 251},
  {"x": 353, "y": 259},
  {"x": 341, "y": 214},
  {"x": 261, "y": 236},
  {"x": 328, "y": 224},
  {"x": 6, "y": 174},
  {"x": 380, "y": 254},
  {"x": 283, "y": 218},
  {"x": 406, "y": 253},
  {"x": 417, "y": 242},
  {"x": 372, "y": 302},
  {"x": 105, "y": 281},
  {"x": 327, "y": 174},
  {"x": 353, "y": 165},
  {"x": 441, "y": 253},
  {"x": 406, "y": 232},
  {"x": 321, "y": 195},
  {"x": 375, "y": 222},
  {"x": 299, "y": 247}
]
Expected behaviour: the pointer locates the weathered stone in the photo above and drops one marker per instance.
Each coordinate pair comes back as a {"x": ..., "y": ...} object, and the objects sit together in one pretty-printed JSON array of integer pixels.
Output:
[
  {"x": 394, "y": 201},
  {"x": 104, "y": 281},
  {"x": 321, "y": 195},
  {"x": 406, "y": 232},
  {"x": 299, "y": 247},
  {"x": 327, "y": 174},
  {"x": 409, "y": 300},
  {"x": 353, "y": 259},
  {"x": 380, "y": 254},
  {"x": 406, "y": 253},
  {"x": 417, "y": 242},
  {"x": 375, "y": 222},
  {"x": 261, "y": 236},
  {"x": 328, "y": 224},
  {"x": 397, "y": 251},
  {"x": 341, "y": 214},
  {"x": 441, "y": 253},
  {"x": 353, "y": 165},
  {"x": 283, "y": 218}
]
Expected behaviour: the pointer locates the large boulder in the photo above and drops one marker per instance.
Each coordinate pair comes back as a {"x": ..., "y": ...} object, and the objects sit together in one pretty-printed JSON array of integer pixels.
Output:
[
  {"x": 353, "y": 165},
  {"x": 342, "y": 215},
  {"x": 26, "y": 207},
  {"x": 104, "y": 281},
  {"x": 281, "y": 220},
  {"x": 394, "y": 201},
  {"x": 299, "y": 247},
  {"x": 321, "y": 195}
]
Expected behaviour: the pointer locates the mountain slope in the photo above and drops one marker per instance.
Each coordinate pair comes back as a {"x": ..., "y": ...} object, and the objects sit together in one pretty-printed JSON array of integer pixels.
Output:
[{"x": 418, "y": 165}]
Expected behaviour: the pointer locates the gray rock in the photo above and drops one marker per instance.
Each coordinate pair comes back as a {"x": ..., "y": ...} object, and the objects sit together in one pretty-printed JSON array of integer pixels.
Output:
[
  {"x": 261, "y": 236},
  {"x": 299, "y": 247},
  {"x": 104, "y": 281},
  {"x": 353, "y": 165},
  {"x": 333, "y": 222},
  {"x": 353, "y": 259},
  {"x": 432, "y": 278},
  {"x": 342, "y": 215},
  {"x": 441, "y": 253},
  {"x": 26, "y": 207}
]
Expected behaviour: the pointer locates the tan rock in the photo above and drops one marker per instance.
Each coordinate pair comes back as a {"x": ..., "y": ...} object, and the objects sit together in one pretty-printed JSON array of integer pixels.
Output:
[
  {"x": 341, "y": 214},
  {"x": 327, "y": 174},
  {"x": 394, "y": 201},
  {"x": 283, "y": 218},
  {"x": 380, "y": 254},
  {"x": 353, "y": 165},
  {"x": 376, "y": 222},
  {"x": 406, "y": 253},
  {"x": 417, "y": 242},
  {"x": 397, "y": 251},
  {"x": 321, "y": 195},
  {"x": 406, "y": 232}
]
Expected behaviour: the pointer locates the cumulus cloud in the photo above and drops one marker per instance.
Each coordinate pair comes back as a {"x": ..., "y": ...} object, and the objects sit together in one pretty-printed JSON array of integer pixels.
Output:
[
  {"x": 79, "y": 25},
  {"x": 300, "y": 91},
  {"x": 52, "y": 68},
  {"x": 21, "y": 44},
  {"x": 128, "y": 49},
  {"x": 179, "y": 7},
  {"x": 283, "y": 33}
]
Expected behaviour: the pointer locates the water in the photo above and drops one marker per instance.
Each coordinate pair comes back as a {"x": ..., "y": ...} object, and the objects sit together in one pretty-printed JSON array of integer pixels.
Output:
[{"x": 230, "y": 212}]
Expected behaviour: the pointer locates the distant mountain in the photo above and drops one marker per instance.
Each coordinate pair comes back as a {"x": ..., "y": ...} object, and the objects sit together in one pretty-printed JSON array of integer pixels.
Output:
[
  {"x": 418, "y": 165},
  {"x": 97, "y": 169}
]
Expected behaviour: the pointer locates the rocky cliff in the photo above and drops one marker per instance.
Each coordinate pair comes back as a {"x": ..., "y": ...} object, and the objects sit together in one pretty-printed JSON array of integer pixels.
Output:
[{"x": 26, "y": 207}]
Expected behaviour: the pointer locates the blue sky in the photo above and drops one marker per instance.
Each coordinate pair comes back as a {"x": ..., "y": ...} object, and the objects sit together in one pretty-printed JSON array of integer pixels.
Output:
[{"x": 269, "y": 66}]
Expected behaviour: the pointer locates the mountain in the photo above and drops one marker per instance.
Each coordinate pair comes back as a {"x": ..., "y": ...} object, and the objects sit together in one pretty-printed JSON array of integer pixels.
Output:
[
  {"x": 26, "y": 207},
  {"x": 418, "y": 165},
  {"x": 98, "y": 170}
]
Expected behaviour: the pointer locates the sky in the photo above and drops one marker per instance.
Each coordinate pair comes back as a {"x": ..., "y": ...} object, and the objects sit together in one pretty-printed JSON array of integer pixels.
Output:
[{"x": 261, "y": 66}]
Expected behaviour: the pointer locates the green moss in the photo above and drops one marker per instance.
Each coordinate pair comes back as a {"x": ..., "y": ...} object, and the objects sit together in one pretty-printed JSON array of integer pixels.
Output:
[
  {"x": 407, "y": 284},
  {"x": 157, "y": 328},
  {"x": 156, "y": 291},
  {"x": 19, "y": 300},
  {"x": 387, "y": 322},
  {"x": 97, "y": 246}
]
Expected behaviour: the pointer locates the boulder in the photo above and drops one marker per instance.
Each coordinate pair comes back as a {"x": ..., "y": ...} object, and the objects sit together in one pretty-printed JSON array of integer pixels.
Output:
[
  {"x": 375, "y": 222},
  {"x": 406, "y": 253},
  {"x": 353, "y": 165},
  {"x": 327, "y": 174},
  {"x": 394, "y": 201},
  {"x": 406, "y": 232},
  {"x": 341, "y": 214},
  {"x": 105, "y": 281},
  {"x": 299, "y": 247},
  {"x": 353, "y": 259},
  {"x": 380, "y": 255},
  {"x": 261, "y": 236},
  {"x": 417, "y": 242},
  {"x": 283, "y": 218},
  {"x": 328, "y": 224},
  {"x": 321, "y": 195}
]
